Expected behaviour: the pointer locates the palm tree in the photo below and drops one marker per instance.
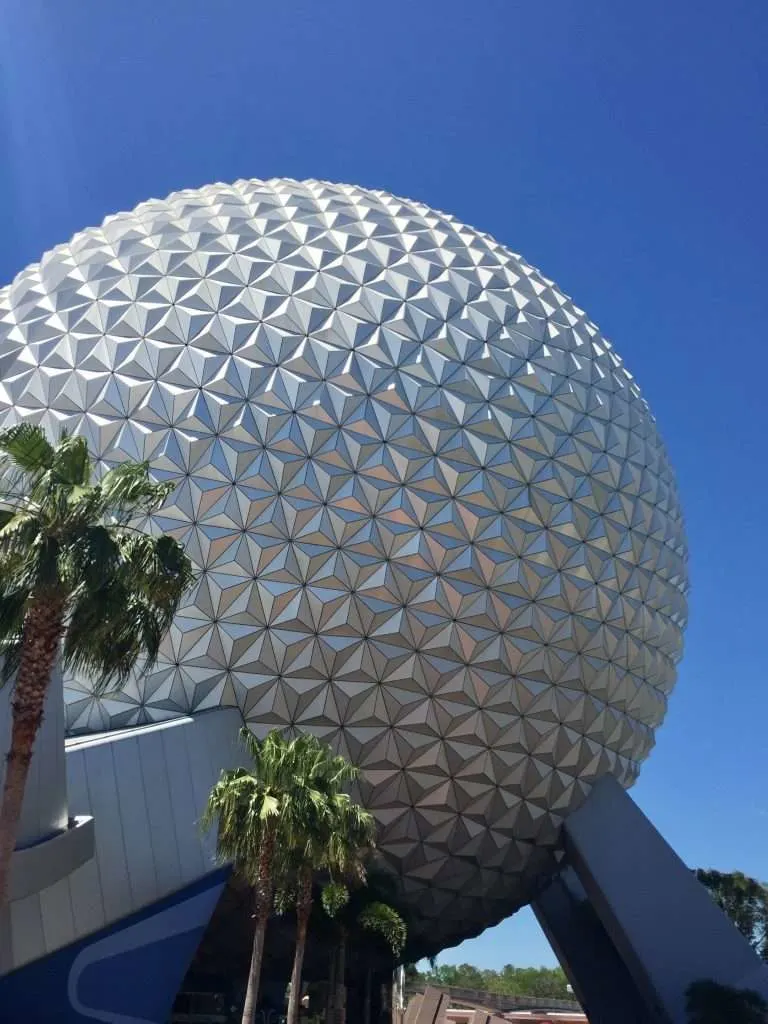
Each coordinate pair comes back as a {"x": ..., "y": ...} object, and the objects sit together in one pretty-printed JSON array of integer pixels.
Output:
[
  {"x": 255, "y": 810},
  {"x": 334, "y": 836},
  {"x": 74, "y": 576},
  {"x": 386, "y": 922},
  {"x": 363, "y": 910}
]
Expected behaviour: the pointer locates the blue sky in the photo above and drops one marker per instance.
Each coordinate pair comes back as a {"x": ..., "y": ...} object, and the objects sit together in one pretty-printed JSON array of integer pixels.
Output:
[{"x": 621, "y": 147}]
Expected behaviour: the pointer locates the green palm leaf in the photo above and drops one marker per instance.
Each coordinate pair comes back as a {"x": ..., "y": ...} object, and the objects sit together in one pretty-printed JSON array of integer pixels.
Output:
[
  {"x": 75, "y": 575},
  {"x": 128, "y": 486},
  {"x": 27, "y": 447},
  {"x": 384, "y": 920},
  {"x": 71, "y": 462},
  {"x": 285, "y": 820}
]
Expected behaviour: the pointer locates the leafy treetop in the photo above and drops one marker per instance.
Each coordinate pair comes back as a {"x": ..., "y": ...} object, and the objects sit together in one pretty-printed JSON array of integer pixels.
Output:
[
  {"x": 548, "y": 982},
  {"x": 67, "y": 540}
]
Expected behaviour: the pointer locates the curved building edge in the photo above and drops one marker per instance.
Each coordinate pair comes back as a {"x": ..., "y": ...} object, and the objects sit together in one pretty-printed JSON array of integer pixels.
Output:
[
  {"x": 128, "y": 973},
  {"x": 112, "y": 939}
]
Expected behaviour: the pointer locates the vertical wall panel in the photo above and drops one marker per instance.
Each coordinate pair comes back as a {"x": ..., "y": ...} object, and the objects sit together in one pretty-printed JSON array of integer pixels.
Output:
[
  {"x": 135, "y": 821},
  {"x": 27, "y": 930},
  {"x": 6, "y": 946},
  {"x": 55, "y": 784},
  {"x": 110, "y": 850},
  {"x": 56, "y": 914},
  {"x": 186, "y": 814},
  {"x": 77, "y": 784},
  {"x": 85, "y": 883},
  {"x": 220, "y": 738},
  {"x": 160, "y": 811},
  {"x": 87, "y": 905},
  {"x": 203, "y": 776},
  {"x": 146, "y": 789}
]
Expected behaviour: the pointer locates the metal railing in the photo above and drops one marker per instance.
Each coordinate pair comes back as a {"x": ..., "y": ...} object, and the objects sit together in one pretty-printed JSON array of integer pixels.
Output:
[{"x": 495, "y": 1001}]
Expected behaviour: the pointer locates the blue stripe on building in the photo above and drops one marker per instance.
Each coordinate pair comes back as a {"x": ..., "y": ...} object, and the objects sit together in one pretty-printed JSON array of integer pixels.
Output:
[{"x": 128, "y": 973}]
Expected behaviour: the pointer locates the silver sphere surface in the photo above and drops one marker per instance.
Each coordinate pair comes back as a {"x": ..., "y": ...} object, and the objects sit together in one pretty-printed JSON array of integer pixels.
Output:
[{"x": 432, "y": 517}]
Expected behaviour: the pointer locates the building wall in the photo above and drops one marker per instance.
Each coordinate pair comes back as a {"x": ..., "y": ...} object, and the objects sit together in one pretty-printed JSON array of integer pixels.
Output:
[{"x": 146, "y": 789}]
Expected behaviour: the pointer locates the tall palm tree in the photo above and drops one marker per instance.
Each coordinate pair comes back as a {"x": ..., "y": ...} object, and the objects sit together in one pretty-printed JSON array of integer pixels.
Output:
[
  {"x": 333, "y": 836},
  {"x": 255, "y": 811},
  {"x": 75, "y": 577}
]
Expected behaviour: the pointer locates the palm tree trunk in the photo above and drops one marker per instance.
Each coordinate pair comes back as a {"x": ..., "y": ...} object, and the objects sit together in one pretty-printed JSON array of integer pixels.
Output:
[
  {"x": 263, "y": 902},
  {"x": 303, "y": 908},
  {"x": 368, "y": 995},
  {"x": 43, "y": 627},
  {"x": 254, "y": 974},
  {"x": 330, "y": 1002},
  {"x": 341, "y": 980}
]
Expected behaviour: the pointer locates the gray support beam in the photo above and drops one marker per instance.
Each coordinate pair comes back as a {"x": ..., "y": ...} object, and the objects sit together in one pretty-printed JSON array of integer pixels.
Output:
[
  {"x": 599, "y": 977},
  {"x": 659, "y": 918}
]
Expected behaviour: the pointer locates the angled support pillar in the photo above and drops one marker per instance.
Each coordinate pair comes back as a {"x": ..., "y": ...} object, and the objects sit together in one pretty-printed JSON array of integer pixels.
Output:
[
  {"x": 662, "y": 924},
  {"x": 598, "y": 976}
]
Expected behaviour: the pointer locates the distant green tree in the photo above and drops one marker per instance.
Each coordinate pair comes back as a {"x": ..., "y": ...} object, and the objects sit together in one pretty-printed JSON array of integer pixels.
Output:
[
  {"x": 411, "y": 973},
  {"x": 546, "y": 982},
  {"x": 549, "y": 982},
  {"x": 744, "y": 900},
  {"x": 710, "y": 1003},
  {"x": 456, "y": 975}
]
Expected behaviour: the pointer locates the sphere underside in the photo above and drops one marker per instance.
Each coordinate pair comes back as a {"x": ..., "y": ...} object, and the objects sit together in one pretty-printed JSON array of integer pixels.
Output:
[{"x": 433, "y": 520}]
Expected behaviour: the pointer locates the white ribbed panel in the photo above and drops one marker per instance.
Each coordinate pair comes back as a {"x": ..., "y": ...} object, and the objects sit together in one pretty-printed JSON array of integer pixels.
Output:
[{"x": 145, "y": 789}]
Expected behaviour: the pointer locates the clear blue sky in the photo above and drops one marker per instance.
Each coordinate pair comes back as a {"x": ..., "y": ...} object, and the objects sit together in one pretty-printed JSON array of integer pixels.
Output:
[{"x": 621, "y": 147}]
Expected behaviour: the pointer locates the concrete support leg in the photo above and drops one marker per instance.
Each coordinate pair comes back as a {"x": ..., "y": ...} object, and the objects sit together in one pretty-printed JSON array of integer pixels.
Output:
[
  {"x": 663, "y": 927},
  {"x": 600, "y": 979}
]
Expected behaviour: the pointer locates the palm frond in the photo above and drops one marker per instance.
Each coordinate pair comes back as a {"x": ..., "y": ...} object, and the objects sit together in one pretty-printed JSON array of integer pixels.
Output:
[
  {"x": 20, "y": 538},
  {"x": 334, "y": 898},
  {"x": 107, "y": 637},
  {"x": 27, "y": 447},
  {"x": 71, "y": 463},
  {"x": 270, "y": 806},
  {"x": 157, "y": 569},
  {"x": 91, "y": 559},
  {"x": 291, "y": 788},
  {"x": 62, "y": 537},
  {"x": 13, "y": 605},
  {"x": 130, "y": 586},
  {"x": 128, "y": 487},
  {"x": 11, "y": 655},
  {"x": 385, "y": 920},
  {"x": 244, "y": 814}
]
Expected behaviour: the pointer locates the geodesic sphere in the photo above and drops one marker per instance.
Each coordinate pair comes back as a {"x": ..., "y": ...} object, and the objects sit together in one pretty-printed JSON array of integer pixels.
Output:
[{"x": 433, "y": 520}]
